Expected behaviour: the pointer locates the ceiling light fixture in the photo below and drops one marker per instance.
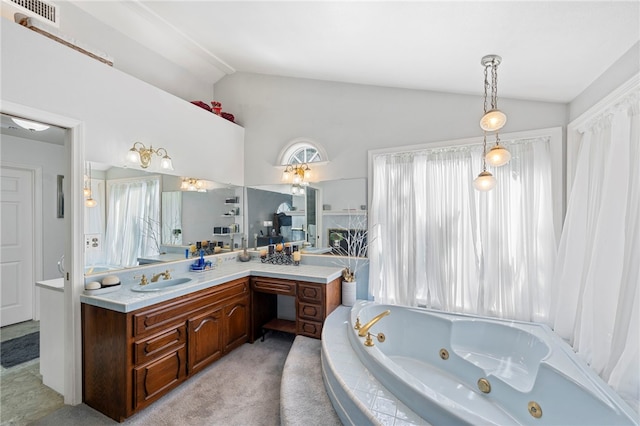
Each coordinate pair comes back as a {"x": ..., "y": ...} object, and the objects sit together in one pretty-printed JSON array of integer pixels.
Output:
[
  {"x": 141, "y": 155},
  {"x": 30, "y": 125},
  {"x": 493, "y": 119}
]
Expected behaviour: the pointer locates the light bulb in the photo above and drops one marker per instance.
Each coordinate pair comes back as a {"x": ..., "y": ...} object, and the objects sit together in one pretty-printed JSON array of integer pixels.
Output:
[
  {"x": 286, "y": 176},
  {"x": 493, "y": 120},
  {"x": 484, "y": 182},
  {"x": 90, "y": 202},
  {"x": 498, "y": 156},
  {"x": 86, "y": 191}
]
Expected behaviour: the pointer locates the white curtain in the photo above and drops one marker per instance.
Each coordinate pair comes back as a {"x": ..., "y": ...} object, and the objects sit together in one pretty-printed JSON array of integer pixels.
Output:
[
  {"x": 133, "y": 220},
  {"x": 440, "y": 243},
  {"x": 598, "y": 269}
]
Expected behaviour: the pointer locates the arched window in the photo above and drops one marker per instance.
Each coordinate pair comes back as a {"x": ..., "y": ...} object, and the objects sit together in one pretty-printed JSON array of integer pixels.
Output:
[{"x": 302, "y": 151}]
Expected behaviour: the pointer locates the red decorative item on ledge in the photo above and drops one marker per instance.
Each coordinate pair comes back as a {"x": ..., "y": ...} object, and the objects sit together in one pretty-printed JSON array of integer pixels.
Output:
[
  {"x": 202, "y": 105},
  {"x": 228, "y": 116},
  {"x": 217, "y": 107}
]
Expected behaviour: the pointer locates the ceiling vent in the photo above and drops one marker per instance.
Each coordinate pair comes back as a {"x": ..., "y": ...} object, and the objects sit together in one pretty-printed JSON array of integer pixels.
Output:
[{"x": 38, "y": 9}]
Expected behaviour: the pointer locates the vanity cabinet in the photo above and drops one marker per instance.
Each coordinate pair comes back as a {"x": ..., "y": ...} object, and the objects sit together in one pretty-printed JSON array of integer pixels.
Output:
[
  {"x": 132, "y": 359},
  {"x": 314, "y": 302}
]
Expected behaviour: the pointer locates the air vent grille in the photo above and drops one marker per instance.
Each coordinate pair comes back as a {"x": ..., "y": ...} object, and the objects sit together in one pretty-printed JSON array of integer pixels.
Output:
[{"x": 41, "y": 9}]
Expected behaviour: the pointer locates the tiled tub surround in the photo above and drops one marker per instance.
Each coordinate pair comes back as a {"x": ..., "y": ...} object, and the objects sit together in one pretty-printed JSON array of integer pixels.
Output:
[
  {"x": 523, "y": 362},
  {"x": 226, "y": 268}
]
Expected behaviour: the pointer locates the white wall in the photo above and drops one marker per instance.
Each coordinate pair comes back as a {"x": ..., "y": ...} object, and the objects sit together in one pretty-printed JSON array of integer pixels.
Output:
[
  {"x": 350, "y": 119},
  {"x": 52, "y": 159},
  {"x": 621, "y": 71},
  {"x": 127, "y": 54},
  {"x": 117, "y": 109}
]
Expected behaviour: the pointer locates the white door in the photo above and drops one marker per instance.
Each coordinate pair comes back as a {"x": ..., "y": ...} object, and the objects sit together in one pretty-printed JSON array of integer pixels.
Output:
[{"x": 16, "y": 244}]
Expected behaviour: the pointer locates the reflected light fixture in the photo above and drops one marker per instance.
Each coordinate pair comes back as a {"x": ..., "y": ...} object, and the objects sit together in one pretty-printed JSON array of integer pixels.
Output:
[
  {"x": 193, "y": 185},
  {"x": 297, "y": 189},
  {"x": 29, "y": 125},
  {"x": 141, "y": 155},
  {"x": 493, "y": 119},
  {"x": 89, "y": 201},
  {"x": 485, "y": 180}
]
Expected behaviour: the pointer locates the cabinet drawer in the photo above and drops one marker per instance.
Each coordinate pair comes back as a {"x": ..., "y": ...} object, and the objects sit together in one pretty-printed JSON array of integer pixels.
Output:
[
  {"x": 153, "y": 380},
  {"x": 309, "y": 311},
  {"x": 287, "y": 288},
  {"x": 310, "y": 328},
  {"x": 310, "y": 293},
  {"x": 166, "y": 315},
  {"x": 158, "y": 345}
]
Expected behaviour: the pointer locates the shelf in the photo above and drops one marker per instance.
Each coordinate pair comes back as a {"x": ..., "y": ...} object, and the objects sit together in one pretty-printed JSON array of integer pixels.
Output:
[
  {"x": 281, "y": 325},
  {"x": 295, "y": 213}
]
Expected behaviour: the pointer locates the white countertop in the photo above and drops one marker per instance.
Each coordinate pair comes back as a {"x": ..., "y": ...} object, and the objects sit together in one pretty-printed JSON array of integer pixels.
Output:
[
  {"x": 126, "y": 300},
  {"x": 166, "y": 257},
  {"x": 56, "y": 284}
]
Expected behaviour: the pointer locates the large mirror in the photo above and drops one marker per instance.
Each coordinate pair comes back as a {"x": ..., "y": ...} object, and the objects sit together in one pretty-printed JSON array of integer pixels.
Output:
[
  {"x": 142, "y": 218},
  {"x": 319, "y": 218}
]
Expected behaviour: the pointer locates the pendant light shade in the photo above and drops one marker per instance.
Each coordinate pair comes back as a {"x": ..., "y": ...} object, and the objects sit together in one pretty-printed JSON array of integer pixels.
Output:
[
  {"x": 493, "y": 120},
  {"x": 498, "y": 156},
  {"x": 484, "y": 182}
]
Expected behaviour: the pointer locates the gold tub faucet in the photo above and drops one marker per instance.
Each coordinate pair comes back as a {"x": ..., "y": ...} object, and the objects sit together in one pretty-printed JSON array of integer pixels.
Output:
[{"x": 365, "y": 328}]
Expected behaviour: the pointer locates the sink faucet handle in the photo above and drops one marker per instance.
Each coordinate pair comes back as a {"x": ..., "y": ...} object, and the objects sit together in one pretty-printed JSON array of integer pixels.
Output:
[
  {"x": 167, "y": 274},
  {"x": 143, "y": 279}
]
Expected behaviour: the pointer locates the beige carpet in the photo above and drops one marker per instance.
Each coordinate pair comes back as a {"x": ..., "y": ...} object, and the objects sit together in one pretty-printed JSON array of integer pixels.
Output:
[
  {"x": 303, "y": 397},
  {"x": 243, "y": 389}
]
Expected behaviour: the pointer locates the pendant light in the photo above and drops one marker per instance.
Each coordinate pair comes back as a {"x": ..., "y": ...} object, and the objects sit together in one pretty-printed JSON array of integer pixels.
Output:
[
  {"x": 493, "y": 119},
  {"x": 498, "y": 155},
  {"x": 485, "y": 180}
]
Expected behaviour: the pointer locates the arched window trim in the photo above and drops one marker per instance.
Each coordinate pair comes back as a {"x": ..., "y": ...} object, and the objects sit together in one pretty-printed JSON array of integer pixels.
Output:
[{"x": 295, "y": 145}]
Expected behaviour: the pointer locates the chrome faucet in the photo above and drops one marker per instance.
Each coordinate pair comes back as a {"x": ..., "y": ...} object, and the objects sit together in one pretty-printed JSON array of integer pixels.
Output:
[
  {"x": 362, "y": 331},
  {"x": 166, "y": 274}
]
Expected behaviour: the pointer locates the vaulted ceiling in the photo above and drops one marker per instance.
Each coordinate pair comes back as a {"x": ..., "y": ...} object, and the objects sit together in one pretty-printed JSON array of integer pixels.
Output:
[{"x": 551, "y": 50}]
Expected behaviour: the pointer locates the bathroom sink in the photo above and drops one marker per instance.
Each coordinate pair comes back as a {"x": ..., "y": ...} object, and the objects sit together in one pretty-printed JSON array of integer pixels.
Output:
[{"x": 162, "y": 284}]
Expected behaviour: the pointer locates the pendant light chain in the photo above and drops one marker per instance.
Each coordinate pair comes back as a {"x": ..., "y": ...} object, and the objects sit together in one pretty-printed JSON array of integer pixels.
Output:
[
  {"x": 484, "y": 151},
  {"x": 486, "y": 88},
  {"x": 494, "y": 85}
]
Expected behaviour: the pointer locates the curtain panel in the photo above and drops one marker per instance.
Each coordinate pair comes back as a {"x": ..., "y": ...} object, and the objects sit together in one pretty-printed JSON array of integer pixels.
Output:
[
  {"x": 440, "y": 243},
  {"x": 596, "y": 282},
  {"x": 133, "y": 220}
]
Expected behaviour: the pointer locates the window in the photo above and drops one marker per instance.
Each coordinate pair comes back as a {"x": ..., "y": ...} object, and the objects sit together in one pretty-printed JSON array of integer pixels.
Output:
[{"x": 302, "y": 151}]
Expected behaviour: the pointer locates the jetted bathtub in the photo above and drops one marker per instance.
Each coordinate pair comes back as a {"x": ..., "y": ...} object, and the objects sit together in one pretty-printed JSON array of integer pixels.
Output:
[{"x": 446, "y": 368}]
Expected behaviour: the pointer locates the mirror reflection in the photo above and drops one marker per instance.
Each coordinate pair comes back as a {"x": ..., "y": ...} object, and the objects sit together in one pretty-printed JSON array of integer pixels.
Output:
[
  {"x": 143, "y": 218},
  {"x": 319, "y": 218}
]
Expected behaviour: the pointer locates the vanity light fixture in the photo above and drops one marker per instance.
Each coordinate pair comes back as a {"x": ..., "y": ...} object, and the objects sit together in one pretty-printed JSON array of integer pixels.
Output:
[
  {"x": 493, "y": 119},
  {"x": 192, "y": 185},
  {"x": 29, "y": 125},
  {"x": 298, "y": 174},
  {"x": 141, "y": 155}
]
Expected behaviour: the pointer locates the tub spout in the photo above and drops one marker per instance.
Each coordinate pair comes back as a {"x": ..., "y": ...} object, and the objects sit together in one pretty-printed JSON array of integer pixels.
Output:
[{"x": 365, "y": 328}]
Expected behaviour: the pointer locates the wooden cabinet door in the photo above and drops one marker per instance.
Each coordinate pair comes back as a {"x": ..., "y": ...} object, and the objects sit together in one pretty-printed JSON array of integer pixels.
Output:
[
  {"x": 236, "y": 323},
  {"x": 154, "y": 379},
  {"x": 205, "y": 338}
]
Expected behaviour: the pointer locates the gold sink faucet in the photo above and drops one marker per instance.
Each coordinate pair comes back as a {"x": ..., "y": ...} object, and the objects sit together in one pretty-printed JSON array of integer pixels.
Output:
[
  {"x": 365, "y": 328},
  {"x": 166, "y": 274}
]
